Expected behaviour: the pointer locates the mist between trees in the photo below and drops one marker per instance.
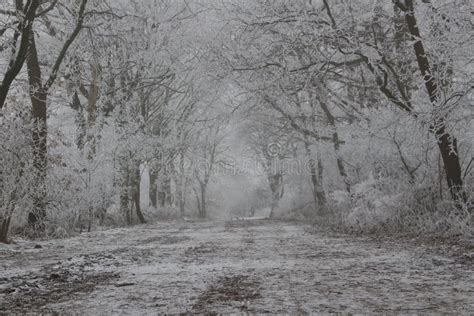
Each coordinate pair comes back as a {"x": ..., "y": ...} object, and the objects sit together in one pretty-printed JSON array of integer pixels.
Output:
[
  {"x": 244, "y": 166},
  {"x": 356, "y": 114}
]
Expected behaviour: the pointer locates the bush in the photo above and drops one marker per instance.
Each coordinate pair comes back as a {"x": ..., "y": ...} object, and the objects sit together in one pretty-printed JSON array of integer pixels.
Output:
[
  {"x": 16, "y": 171},
  {"x": 386, "y": 205}
]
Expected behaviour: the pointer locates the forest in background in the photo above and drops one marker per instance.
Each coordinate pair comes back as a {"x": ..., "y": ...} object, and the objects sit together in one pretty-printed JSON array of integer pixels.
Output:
[{"x": 354, "y": 114}]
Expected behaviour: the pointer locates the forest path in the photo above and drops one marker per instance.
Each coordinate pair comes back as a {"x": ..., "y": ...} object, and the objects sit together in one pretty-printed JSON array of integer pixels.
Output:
[{"x": 237, "y": 266}]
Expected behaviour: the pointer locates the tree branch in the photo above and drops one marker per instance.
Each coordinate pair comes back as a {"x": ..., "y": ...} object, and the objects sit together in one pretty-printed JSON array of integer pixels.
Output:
[
  {"x": 67, "y": 44},
  {"x": 18, "y": 58}
]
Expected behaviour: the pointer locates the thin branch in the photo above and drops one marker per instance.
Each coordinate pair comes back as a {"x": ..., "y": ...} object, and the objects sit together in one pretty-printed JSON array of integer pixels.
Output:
[
  {"x": 7, "y": 12},
  {"x": 293, "y": 123},
  {"x": 331, "y": 17},
  {"x": 67, "y": 44},
  {"x": 49, "y": 8}
]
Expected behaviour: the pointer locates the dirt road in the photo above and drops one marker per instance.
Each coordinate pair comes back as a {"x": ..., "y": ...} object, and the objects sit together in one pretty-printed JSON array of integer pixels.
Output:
[{"x": 236, "y": 266}]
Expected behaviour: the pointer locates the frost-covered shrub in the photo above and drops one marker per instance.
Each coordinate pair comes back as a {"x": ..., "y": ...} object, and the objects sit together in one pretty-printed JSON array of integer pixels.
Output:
[
  {"x": 16, "y": 171},
  {"x": 80, "y": 186},
  {"x": 80, "y": 192},
  {"x": 385, "y": 205},
  {"x": 374, "y": 202}
]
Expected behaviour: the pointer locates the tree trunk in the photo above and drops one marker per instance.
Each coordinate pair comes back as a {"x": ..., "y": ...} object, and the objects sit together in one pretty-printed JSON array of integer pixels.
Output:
[
  {"x": 321, "y": 194},
  {"x": 79, "y": 120},
  {"x": 152, "y": 190},
  {"x": 440, "y": 177},
  {"x": 136, "y": 194},
  {"x": 180, "y": 200},
  {"x": 203, "y": 210},
  {"x": 198, "y": 201},
  {"x": 124, "y": 190},
  {"x": 181, "y": 184},
  {"x": 316, "y": 178},
  {"x": 447, "y": 143},
  {"x": 167, "y": 191},
  {"x": 336, "y": 143},
  {"x": 164, "y": 194},
  {"x": 38, "y": 97},
  {"x": 276, "y": 189},
  {"x": 4, "y": 226},
  {"x": 450, "y": 154},
  {"x": 92, "y": 112}
]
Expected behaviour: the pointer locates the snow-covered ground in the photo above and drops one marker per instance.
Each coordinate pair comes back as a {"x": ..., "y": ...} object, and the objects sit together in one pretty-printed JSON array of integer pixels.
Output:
[{"x": 256, "y": 266}]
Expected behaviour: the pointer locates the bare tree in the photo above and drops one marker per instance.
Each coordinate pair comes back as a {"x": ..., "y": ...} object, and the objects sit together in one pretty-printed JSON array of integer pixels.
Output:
[
  {"x": 447, "y": 143},
  {"x": 38, "y": 94}
]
